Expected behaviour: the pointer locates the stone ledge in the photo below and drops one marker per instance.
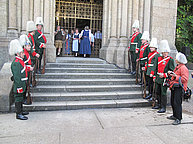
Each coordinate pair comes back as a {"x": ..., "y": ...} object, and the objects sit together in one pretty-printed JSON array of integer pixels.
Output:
[{"x": 6, "y": 85}]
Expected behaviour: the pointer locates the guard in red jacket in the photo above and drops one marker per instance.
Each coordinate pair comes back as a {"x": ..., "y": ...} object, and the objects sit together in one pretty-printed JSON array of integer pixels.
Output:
[
  {"x": 162, "y": 65},
  {"x": 153, "y": 55},
  {"x": 26, "y": 44}
]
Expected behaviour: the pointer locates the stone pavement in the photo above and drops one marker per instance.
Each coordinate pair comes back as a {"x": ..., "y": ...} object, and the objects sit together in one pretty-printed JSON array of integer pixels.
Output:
[
  {"x": 96, "y": 126},
  {"x": 188, "y": 106}
]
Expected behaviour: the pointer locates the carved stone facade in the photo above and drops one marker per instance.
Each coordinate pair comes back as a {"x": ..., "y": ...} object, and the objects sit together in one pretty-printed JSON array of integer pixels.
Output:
[{"x": 156, "y": 16}]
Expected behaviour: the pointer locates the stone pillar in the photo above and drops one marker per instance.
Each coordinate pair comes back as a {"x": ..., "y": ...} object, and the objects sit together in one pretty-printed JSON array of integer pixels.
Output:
[
  {"x": 141, "y": 12},
  {"x": 129, "y": 30},
  {"x": 122, "y": 49},
  {"x": 119, "y": 18},
  {"x": 113, "y": 43},
  {"x": 147, "y": 13},
  {"x": 47, "y": 10},
  {"x": 12, "y": 28},
  {"x": 37, "y": 9},
  {"x": 4, "y": 41},
  {"x": 31, "y": 10},
  {"x": 130, "y": 17},
  {"x": 105, "y": 22},
  {"x": 49, "y": 30},
  {"x": 164, "y": 26},
  {"x": 19, "y": 16},
  {"x": 135, "y": 10},
  {"x": 106, "y": 28},
  {"x": 3, "y": 17},
  {"x": 25, "y": 14}
]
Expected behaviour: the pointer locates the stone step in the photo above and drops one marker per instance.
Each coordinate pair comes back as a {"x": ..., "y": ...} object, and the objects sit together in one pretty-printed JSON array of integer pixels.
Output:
[
  {"x": 74, "y": 105},
  {"x": 85, "y": 88},
  {"x": 79, "y": 65},
  {"x": 85, "y": 81},
  {"x": 82, "y": 96},
  {"x": 84, "y": 70},
  {"x": 80, "y": 60},
  {"x": 85, "y": 76}
]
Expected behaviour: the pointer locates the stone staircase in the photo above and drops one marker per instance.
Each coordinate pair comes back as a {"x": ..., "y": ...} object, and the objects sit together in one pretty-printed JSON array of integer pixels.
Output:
[{"x": 82, "y": 83}]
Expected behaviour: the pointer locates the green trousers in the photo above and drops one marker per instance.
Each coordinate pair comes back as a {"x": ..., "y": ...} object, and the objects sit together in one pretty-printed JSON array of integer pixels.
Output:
[{"x": 18, "y": 97}]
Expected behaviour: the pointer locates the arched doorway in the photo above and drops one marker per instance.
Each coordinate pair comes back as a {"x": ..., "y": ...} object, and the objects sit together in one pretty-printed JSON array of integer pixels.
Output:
[{"x": 71, "y": 14}]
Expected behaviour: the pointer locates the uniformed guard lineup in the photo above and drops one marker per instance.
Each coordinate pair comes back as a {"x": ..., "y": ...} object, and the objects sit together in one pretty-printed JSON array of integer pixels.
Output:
[
  {"x": 29, "y": 51},
  {"x": 157, "y": 71},
  {"x": 149, "y": 62}
]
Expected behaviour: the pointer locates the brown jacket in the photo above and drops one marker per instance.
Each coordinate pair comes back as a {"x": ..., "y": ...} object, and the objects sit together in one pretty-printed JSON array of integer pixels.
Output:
[{"x": 181, "y": 71}]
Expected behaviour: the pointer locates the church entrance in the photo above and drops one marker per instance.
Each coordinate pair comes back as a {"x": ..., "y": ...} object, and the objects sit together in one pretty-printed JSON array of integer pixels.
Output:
[{"x": 72, "y": 14}]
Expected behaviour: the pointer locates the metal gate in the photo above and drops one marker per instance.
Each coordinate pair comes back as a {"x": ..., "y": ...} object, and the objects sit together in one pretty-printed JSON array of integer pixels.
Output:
[{"x": 71, "y": 14}]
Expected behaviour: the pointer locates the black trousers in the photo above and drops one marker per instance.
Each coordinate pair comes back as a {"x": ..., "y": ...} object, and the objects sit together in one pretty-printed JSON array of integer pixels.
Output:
[
  {"x": 161, "y": 92},
  {"x": 133, "y": 60},
  {"x": 40, "y": 58},
  {"x": 150, "y": 84},
  {"x": 176, "y": 102}
]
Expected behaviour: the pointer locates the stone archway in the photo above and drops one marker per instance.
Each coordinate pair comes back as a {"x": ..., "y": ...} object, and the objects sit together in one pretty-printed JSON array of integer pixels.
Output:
[{"x": 71, "y": 14}]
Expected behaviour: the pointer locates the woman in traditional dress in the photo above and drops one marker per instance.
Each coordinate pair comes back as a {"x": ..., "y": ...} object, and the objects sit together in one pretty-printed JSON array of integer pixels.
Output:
[
  {"x": 67, "y": 43},
  {"x": 85, "y": 43},
  {"x": 75, "y": 45}
]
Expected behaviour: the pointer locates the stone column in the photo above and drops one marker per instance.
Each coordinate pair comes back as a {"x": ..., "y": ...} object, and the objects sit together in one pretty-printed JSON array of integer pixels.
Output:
[
  {"x": 113, "y": 43},
  {"x": 37, "y": 9},
  {"x": 122, "y": 49},
  {"x": 19, "y": 16},
  {"x": 147, "y": 13},
  {"x": 164, "y": 26},
  {"x": 3, "y": 17},
  {"x": 119, "y": 18},
  {"x": 105, "y": 31},
  {"x": 135, "y": 10},
  {"x": 12, "y": 28},
  {"x": 49, "y": 30},
  {"x": 105, "y": 22},
  {"x": 25, "y": 14},
  {"x": 129, "y": 30},
  {"x": 130, "y": 17},
  {"x": 31, "y": 10},
  {"x": 141, "y": 12}
]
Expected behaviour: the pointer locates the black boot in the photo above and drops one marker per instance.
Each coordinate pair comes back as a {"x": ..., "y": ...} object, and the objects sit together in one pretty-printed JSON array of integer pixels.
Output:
[
  {"x": 149, "y": 96},
  {"x": 162, "y": 110},
  {"x": 156, "y": 106},
  {"x": 18, "y": 109},
  {"x": 150, "y": 100}
]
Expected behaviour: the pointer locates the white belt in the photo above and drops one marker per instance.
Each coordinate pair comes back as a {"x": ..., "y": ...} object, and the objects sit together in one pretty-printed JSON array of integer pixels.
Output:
[
  {"x": 24, "y": 79},
  {"x": 134, "y": 43},
  {"x": 40, "y": 36},
  {"x": 150, "y": 64},
  {"x": 143, "y": 58}
]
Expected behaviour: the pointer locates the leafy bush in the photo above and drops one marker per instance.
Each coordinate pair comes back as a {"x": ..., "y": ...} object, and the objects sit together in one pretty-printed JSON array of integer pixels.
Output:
[{"x": 184, "y": 29}]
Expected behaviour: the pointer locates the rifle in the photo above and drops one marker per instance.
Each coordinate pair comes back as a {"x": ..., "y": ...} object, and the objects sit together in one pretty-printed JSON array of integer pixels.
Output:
[
  {"x": 29, "y": 99},
  {"x": 129, "y": 61},
  {"x": 143, "y": 85},
  {"x": 34, "y": 73},
  {"x": 154, "y": 96},
  {"x": 43, "y": 70},
  {"x": 137, "y": 72}
]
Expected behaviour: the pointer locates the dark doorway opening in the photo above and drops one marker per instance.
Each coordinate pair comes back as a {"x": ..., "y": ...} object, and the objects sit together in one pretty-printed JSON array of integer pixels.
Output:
[{"x": 81, "y": 23}]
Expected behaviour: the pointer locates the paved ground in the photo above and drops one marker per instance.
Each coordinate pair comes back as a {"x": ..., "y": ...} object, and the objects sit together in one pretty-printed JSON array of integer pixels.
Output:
[
  {"x": 188, "y": 106},
  {"x": 108, "y": 126}
]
